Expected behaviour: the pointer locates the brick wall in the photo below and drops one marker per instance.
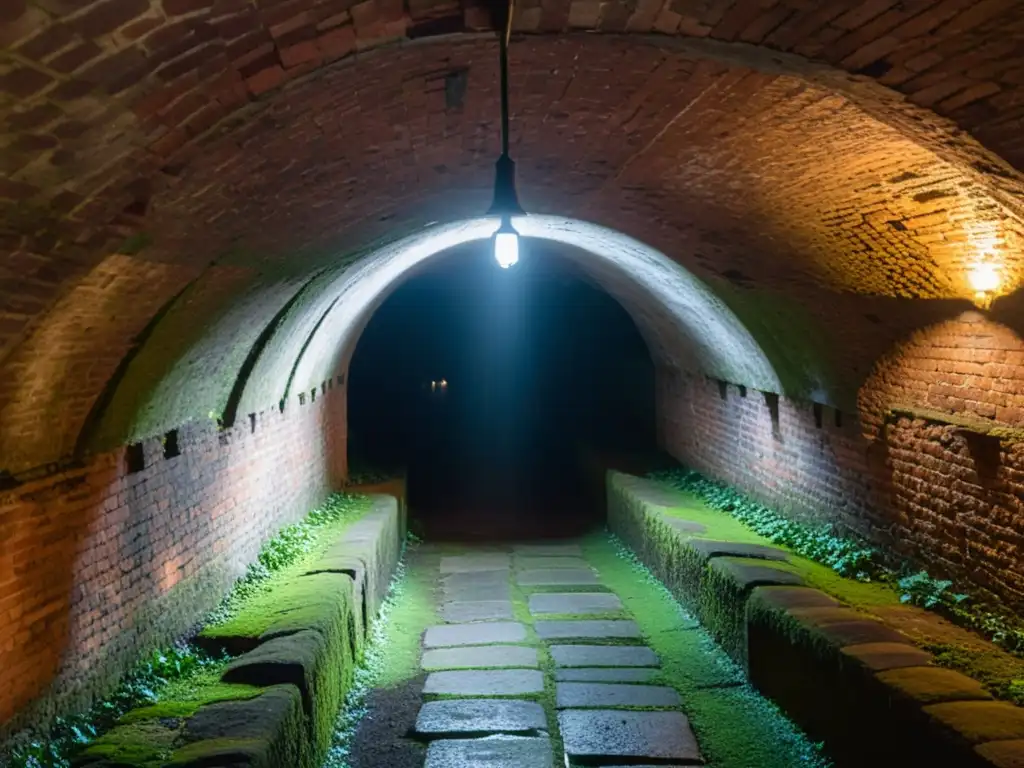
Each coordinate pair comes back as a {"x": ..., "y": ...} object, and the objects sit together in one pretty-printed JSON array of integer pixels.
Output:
[
  {"x": 941, "y": 490},
  {"x": 99, "y": 564}
]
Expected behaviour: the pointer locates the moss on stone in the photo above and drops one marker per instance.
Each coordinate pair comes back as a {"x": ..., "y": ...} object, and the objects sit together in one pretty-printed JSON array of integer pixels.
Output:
[
  {"x": 412, "y": 614},
  {"x": 736, "y": 727},
  {"x": 148, "y": 743},
  {"x": 187, "y": 705}
]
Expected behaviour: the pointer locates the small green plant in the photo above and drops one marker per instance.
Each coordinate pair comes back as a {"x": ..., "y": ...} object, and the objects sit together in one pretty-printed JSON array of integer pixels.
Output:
[
  {"x": 143, "y": 685},
  {"x": 923, "y": 590},
  {"x": 851, "y": 557}
]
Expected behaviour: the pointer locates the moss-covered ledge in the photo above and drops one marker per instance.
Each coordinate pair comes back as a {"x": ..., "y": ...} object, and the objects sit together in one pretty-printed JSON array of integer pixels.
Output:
[
  {"x": 297, "y": 644},
  {"x": 844, "y": 658}
]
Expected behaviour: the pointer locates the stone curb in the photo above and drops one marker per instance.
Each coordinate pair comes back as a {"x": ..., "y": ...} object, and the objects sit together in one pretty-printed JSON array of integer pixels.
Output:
[
  {"x": 299, "y": 667},
  {"x": 845, "y": 677}
]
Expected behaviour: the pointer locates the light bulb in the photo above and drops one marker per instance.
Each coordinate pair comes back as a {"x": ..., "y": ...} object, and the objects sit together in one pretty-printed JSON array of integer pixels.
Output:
[
  {"x": 984, "y": 277},
  {"x": 506, "y": 249}
]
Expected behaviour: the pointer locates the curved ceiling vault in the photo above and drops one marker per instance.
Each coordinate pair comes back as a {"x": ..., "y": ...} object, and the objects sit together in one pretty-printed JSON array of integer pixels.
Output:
[{"x": 806, "y": 199}]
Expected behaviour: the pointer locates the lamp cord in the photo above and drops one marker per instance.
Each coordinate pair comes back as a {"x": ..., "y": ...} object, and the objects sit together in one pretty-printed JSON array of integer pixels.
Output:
[{"x": 503, "y": 53}]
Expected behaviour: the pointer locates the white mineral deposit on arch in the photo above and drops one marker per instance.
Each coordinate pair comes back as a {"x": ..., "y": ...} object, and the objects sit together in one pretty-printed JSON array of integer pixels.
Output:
[{"x": 716, "y": 338}]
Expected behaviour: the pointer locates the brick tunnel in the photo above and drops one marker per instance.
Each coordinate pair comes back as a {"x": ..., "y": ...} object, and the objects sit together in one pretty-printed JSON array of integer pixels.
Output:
[{"x": 792, "y": 507}]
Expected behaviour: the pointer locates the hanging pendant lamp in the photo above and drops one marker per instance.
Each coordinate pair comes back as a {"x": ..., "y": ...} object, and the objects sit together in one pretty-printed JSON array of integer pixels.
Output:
[{"x": 506, "y": 202}]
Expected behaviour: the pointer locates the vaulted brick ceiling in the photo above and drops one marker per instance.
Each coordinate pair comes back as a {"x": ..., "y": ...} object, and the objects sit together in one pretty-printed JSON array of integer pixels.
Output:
[{"x": 226, "y": 151}]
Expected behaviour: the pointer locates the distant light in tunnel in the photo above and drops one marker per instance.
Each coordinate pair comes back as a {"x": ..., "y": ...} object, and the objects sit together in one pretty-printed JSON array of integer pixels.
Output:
[{"x": 506, "y": 244}]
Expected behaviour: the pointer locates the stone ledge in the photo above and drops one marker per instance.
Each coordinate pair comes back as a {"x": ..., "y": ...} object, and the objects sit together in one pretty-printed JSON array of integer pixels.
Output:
[
  {"x": 276, "y": 704},
  {"x": 846, "y": 677}
]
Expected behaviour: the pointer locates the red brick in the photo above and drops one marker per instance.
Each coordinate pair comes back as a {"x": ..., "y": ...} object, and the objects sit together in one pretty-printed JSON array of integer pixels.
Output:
[
  {"x": 76, "y": 57},
  {"x": 24, "y": 82},
  {"x": 105, "y": 17},
  {"x": 265, "y": 80},
  {"x": 34, "y": 118},
  {"x": 47, "y": 42},
  {"x": 300, "y": 54},
  {"x": 337, "y": 43},
  {"x": 179, "y": 7}
]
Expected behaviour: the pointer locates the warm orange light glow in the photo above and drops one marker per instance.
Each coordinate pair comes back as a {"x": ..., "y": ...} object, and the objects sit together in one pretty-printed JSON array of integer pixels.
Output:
[{"x": 984, "y": 277}]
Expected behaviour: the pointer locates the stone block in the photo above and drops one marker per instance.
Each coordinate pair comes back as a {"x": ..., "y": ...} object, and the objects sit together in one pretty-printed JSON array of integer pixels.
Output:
[
  {"x": 557, "y": 577},
  {"x": 597, "y": 628},
  {"x": 479, "y": 716},
  {"x": 574, "y": 602},
  {"x": 600, "y": 736},
  {"x": 977, "y": 722},
  {"x": 932, "y": 685},
  {"x": 485, "y": 633},
  {"x": 879, "y": 657},
  {"x": 476, "y": 610},
  {"x": 491, "y": 752},
  {"x": 606, "y": 674},
  {"x": 603, "y": 656},
  {"x": 480, "y": 656},
  {"x": 485, "y": 682},
  {"x": 709, "y": 548},
  {"x": 577, "y": 694},
  {"x": 548, "y": 550},
  {"x": 486, "y": 561},
  {"x": 537, "y": 562}
]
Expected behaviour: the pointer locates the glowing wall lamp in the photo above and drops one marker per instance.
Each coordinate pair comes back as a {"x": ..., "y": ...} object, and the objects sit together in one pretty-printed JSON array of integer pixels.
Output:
[
  {"x": 985, "y": 281},
  {"x": 506, "y": 201}
]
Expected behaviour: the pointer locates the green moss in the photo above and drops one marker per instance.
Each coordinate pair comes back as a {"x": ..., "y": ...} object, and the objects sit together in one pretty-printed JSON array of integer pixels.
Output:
[
  {"x": 188, "y": 704},
  {"x": 735, "y": 726},
  {"x": 145, "y": 744},
  {"x": 407, "y": 621}
]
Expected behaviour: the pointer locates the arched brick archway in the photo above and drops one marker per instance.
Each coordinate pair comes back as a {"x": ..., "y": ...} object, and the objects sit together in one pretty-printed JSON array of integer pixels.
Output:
[{"x": 779, "y": 190}]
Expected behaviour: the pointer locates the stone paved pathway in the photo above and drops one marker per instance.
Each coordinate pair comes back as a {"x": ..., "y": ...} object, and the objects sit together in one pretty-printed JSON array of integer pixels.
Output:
[{"x": 537, "y": 656}]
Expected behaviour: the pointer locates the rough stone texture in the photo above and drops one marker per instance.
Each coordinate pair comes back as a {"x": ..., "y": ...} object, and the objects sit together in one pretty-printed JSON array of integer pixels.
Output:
[
  {"x": 476, "y": 592},
  {"x": 557, "y": 577},
  {"x": 480, "y": 656},
  {"x": 483, "y": 579},
  {"x": 574, "y": 603},
  {"x": 580, "y": 694},
  {"x": 534, "y": 562},
  {"x": 748, "y": 574},
  {"x": 605, "y": 674},
  {"x": 438, "y": 718},
  {"x": 488, "y": 561},
  {"x": 485, "y": 682},
  {"x": 685, "y": 526},
  {"x": 710, "y": 548},
  {"x": 474, "y": 634},
  {"x": 604, "y": 656},
  {"x": 600, "y": 735},
  {"x": 491, "y": 752},
  {"x": 476, "y": 610},
  {"x": 977, "y": 722},
  {"x": 879, "y": 657},
  {"x": 599, "y": 628},
  {"x": 933, "y": 685},
  {"x": 548, "y": 550}
]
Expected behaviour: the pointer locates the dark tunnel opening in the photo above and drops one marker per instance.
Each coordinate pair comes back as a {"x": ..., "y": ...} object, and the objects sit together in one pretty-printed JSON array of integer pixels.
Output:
[{"x": 483, "y": 383}]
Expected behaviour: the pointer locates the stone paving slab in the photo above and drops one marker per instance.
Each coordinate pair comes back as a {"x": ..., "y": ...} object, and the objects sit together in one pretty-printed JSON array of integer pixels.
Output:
[
  {"x": 533, "y": 562},
  {"x": 548, "y": 550},
  {"x": 476, "y": 610},
  {"x": 595, "y": 735},
  {"x": 480, "y": 656},
  {"x": 491, "y": 752},
  {"x": 475, "y": 579},
  {"x": 574, "y": 602},
  {"x": 485, "y": 561},
  {"x": 605, "y": 674},
  {"x": 599, "y": 628},
  {"x": 557, "y": 577},
  {"x": 604, "y": 656},
  {"x": 482, "y": 716},
  {"x": 475, "y": 592},
  {"x": 474, "y": 634},
  {"x": 485, "y": 682},
  {"x": 569, "y": 695}
]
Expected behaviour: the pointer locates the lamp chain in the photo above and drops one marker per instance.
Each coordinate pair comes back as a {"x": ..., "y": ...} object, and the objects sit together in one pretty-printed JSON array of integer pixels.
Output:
[{"x": 503, "y": 52}]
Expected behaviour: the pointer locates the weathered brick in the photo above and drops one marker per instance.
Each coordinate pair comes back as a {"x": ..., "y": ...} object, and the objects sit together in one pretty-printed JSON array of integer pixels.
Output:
[
  {"x": 76, "y": 57},
  {"x": 105, "y": 17},
  {"x": 265, "y": 80},
  {"x": 24, "y": 81}
]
